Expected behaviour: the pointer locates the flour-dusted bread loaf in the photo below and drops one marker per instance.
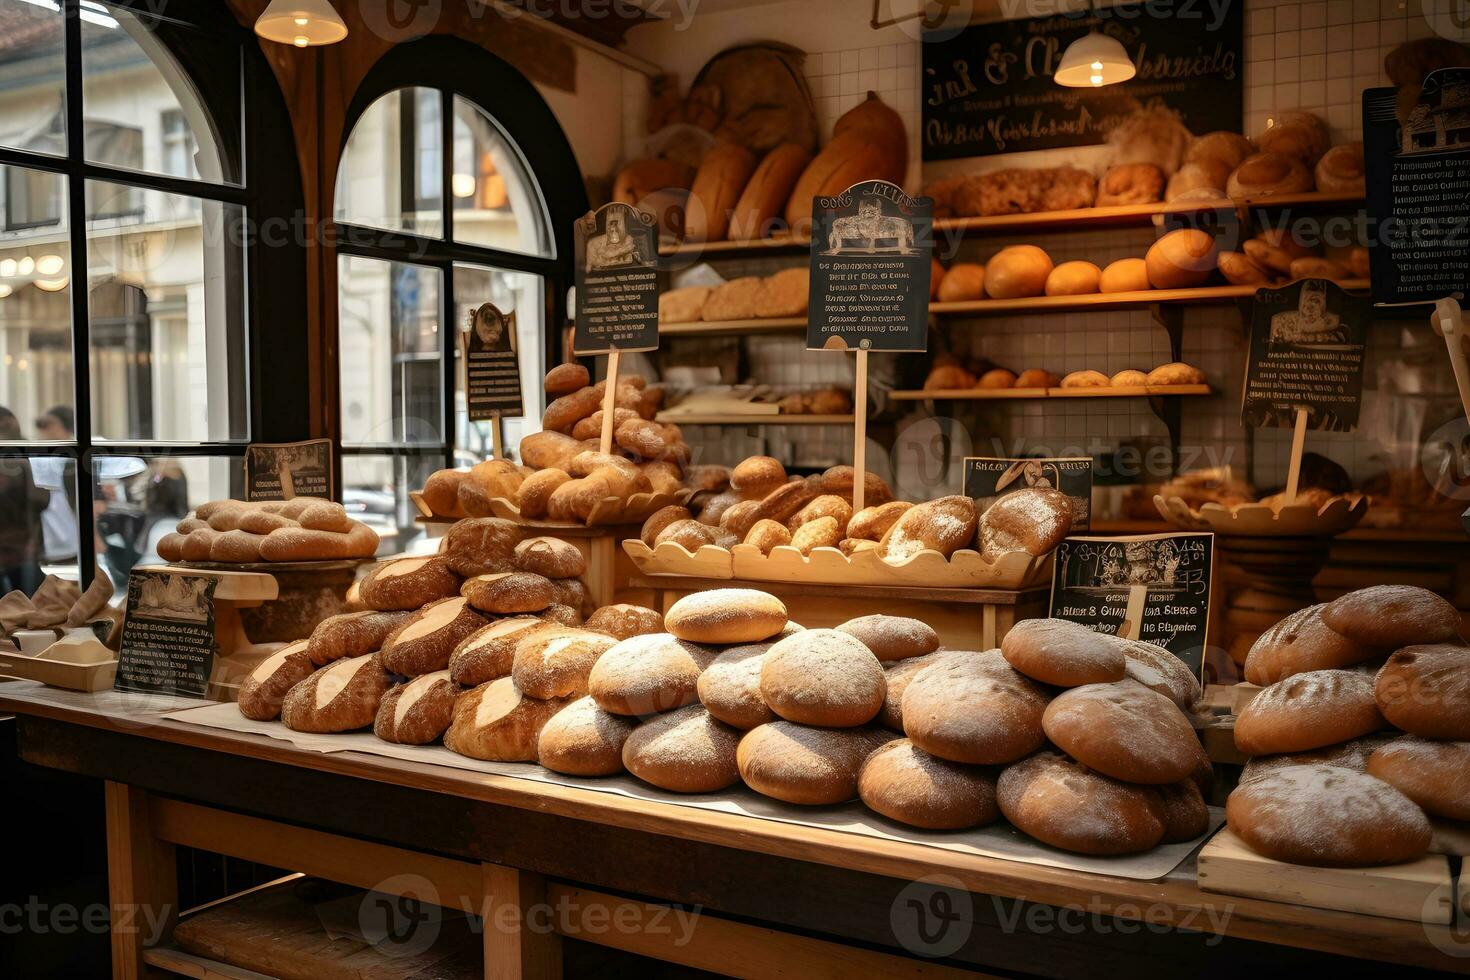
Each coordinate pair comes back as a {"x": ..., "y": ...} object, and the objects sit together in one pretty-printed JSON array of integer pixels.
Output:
[
  {"x": 353, "y": 634},
  {"x": 555, "y": 663},
  {"x": 1033, "y": 520},
  {"x": 825, "y": 678},
  {"x": 423, "y": 644},
  {"x": 974, "y": 709},
  {"x": 647, "y": 674},
  {"x": 1184, "y": 812},
  {"x": 489, "y": 652},
  {"x": 583, "y": 740},
  {"x": 340, "y": 697},
  {"x": 898, "y": 673},
  {"x": 733, "y": 300},
  {"x": 1159, "y": 670},
  {"x": 623, "y": 620},
  {"x": 784, "y": 294},
  {"x": 1327, "y": 816},
  {"x": 1124, "y": 730},
  {"x": 726, "y": 616},
  {"x": 892, "y": 637},
  {"x": 1063, "y": 653},
  {"x": 497, "y": 722},
  {"x": 1063, "y": 803},
  {"x": 1435, "y": 775},
  {"x": 1348, "y": 755},
  {"x": 904, "y": 783},
  {"x": 1392, "y": 616},
  {"x": 944, "y": 525},
  {"x": 418, "y": 712},
  {"x": 730, "y": 687},
  {"x": 1308, "y": 711},
  {"x": 408, "y": 583},
  {"x": 806, "y": 765},
  {"x": 1299, "y": 643},
  {"x": 684, "y": 751},
  {"x": 507, "y": 593},
  {"x": 480, "y": 545},
  {"x": 265, "y": 687},
  {"x": 551, "y": 557},
  {"x": 684, "y": 305},
  {"x": 1425, "y": 690}
]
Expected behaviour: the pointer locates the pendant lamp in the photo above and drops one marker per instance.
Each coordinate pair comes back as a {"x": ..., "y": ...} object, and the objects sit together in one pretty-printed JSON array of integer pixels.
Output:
[
  {"x": 1094, "y": 61},
  {"x": 303, "y": 23}
]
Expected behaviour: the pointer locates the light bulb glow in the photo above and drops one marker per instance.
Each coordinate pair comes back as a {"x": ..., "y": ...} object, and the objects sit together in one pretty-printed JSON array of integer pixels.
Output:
[
  {"x": 301, "y": 21},
  {"x": 7, "y": 268},
  {"x": 26, "y": 266},
  {"x": 5, "y": 290},
  {"x": 49, "y": 265},
  {"x": 52, "y": 285},
  {"x": 1096, "y": 80},
  {"x": 301, "y": 40},
  {"x": 463, "y": 185}
]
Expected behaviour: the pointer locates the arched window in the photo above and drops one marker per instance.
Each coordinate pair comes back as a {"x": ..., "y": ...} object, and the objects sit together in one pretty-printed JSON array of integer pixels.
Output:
[{"x": 455, "y": 187}]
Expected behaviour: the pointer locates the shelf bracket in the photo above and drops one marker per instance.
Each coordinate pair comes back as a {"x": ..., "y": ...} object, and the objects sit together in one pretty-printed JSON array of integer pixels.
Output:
[{"x": 1171, "y": 318}]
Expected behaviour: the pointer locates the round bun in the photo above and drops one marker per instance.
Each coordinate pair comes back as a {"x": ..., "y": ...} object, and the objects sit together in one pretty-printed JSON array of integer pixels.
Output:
[
  {"x": 1299, "y": 135},
  {"x": 1181, "y": 259},
  {"x": 730, "y": 687},
  {"x": 807, "y": 766},
  {"x": 661, "y": 519},
  {"x": 1062, "y": 803},
  {"x": 623, "y": 620},
  {"x": 1073, "y": 279},
  {"x": 644, "y": 675},
  {"x": 1267, "y": 175},
  {"x": 551, "y": 557},
  {"x": 1327, "y": 816},
  {"x": 1130, "y": 183},
  {"x": 757, "y": 476},
  {"x": 1221, "y": 146},
  {"x": 1086, "y": 379},
  {"x": 726, "y": 616},
  {"x": 1128, "y": 378},
  {"x": 1299, "y": 643},
  {"x": 565, "y": 379},
  {"x": 1124, "y": 276},
  {"x": 1425, "y": 690},
  {"x": 1201, "y": 181},
  {"x": 824, "y": 678},
  {"x": 1390, "y": 616},
  {"x": 907, "y": 784},
  {"x": 1308, "y": 711},
  {"x": 509, "y": 592},
  {"x": 1037, "y": 377},
  {"x": 1435, "y": 775},
  {"x": 997, "y": 378},
  {"x": 1064, "y": 654},
  {"x": 1341, "y": 170},
  {"x": 1349, "y": 755},
  {"x": 684, "y": 751},
  {"x": 974, "y": 709},
  {"x": 1183, "y": 808},
  {"x": 1017, "y": 271},
  {"x": 583, "y": 740},
  {"x": 1124, "y": 730},
  {"x": 1240, "y": 269},
  {"x": 892, "y": 637},
  {"x": 962, "y": 283}
]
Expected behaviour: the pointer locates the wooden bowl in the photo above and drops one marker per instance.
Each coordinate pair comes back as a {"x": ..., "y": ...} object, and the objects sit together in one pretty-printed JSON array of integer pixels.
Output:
[{"x": 1303, "y": 520}]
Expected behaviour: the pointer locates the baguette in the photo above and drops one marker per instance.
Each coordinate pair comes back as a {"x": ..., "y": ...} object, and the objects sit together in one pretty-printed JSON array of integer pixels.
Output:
[
  {"x": 722, "y": 176},
  {"x": 763, "y": 201}
]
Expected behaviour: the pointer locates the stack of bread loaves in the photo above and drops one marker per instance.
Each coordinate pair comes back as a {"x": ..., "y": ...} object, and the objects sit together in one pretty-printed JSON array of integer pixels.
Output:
[
  {"x": 1332, "y": 781},
  {"x": 240, "y": 532},
  {"x": 781, "y": 294}
]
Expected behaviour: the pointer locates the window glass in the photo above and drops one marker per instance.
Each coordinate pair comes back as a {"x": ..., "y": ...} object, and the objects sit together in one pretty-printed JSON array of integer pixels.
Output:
[
  {"x": 57, "y": 475},
  {"x": 392, "y": 171},
  {"x": 139, "y": 500},
  {"x": 166, "y": 310},
  {"x": 496, "y": 202},
  {"x": 525, "y": 295},
  {"x": 141, "y": 111},
  {"x": 392, "y": 367},
  {"x": 35, "y": 299},
  {"x": 32, "y": 77},
  {"x": 375, "y": 491}
]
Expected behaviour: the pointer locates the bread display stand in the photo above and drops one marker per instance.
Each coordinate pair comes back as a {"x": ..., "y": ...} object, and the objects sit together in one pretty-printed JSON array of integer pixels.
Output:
[
  {"x": 59, "y": 673},
  {"x": 1417, "y": 891},
  {"x": 612, "y": 511}
]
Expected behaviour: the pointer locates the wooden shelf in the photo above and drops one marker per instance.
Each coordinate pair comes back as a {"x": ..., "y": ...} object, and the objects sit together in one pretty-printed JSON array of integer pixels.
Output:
[
  {"x": 1016, "y": 394},
  {"x": 704, "y": 418}
]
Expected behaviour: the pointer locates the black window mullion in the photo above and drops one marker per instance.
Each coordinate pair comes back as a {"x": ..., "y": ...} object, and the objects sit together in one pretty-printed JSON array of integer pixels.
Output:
[
  {"x": 81, "y": 336},
  {"x": 448, "y": 329}
]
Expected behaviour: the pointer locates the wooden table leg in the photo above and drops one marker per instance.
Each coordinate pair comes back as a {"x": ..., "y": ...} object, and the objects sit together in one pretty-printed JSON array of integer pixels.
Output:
[
  {"x": 142, "y": 880},
  {"x": 518, "y": 931}
]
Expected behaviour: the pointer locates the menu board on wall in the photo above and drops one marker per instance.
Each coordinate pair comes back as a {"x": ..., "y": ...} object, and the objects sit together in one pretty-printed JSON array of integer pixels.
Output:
[
  {"x": 491, "y": 365},
  {"x": 1306, "y": 351},
  {"x": 988, "y": 89},
  {"x": 617, "y": 281},
  {"x": 282, "y": 470},
  {"x": 168, "y": 643},
  {"x": 870, "y": 270},
  {"x": 1417, "y": 159},
  {"x": 987, "y": 479}
]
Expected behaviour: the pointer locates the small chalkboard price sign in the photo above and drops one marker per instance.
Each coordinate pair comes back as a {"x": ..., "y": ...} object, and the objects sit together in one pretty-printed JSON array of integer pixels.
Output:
[
  {"x": 168, "y": 641},
  {"x": 283, "y": 470},
  {"x": 987, "y": 479},
  {"x": 492, "y": 369},
  {"x": 1153, "y": 587}
]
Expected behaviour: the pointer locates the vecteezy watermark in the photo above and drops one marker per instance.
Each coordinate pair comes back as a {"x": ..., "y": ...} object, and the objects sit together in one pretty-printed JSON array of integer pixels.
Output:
[
  {"x": 396, "y": 21},
  {"x": 932, "y": 916},
  {"x": 1448, "y": 18},
  {"x": 1445, "y": 458},
  {"x": 1102, "y": 918},
  {"x": 37, "y": 918}
]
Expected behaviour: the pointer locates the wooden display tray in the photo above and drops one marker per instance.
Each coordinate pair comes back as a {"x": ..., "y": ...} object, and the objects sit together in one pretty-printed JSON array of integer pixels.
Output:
[
  {"x": 965, "y": 569},
  {"x": 611, "y": 511},
  {"x": 735, "y": 418},
  {"x": 1260, "y": 520},
  {"x": 1417, "y": 891},
  {"x": 56, "y": 673},
  {"x": 1003, "y": 394}
]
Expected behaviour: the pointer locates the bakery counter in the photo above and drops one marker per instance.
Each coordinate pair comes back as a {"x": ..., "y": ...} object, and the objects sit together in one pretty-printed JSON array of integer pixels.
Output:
[{"x": 758, "y": 897}]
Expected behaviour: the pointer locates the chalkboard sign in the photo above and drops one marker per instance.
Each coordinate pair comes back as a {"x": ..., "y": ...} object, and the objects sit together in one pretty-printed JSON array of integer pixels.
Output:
[
  {"x": 987, "y": 479},
  {"x": 1418, "y": 169},
  {"x": 1154, "y": 588},
  {"x": 988, "y": 89},
  {"x": 492, "y": 366},
  {"x": 282, "y": 470},
  {"x": 168, "y": 643},
  {"x": 617, "y": 281},
  {"x": 1306, "y": 351},
  {"x": 870, "y": 270}
]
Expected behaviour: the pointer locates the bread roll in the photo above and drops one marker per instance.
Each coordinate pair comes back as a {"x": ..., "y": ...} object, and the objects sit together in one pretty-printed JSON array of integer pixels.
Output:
[
  {"x": 1308, "y": 711},
  {"x": 509, "y": 592},
  {"x": 1017, "y": 271},
  {"x": 1073, "y": 279},
  {"x": 757, "y": 476},
  {"x": 824, "y": 678},
  {"x": 963, "y": 282},
  {"x": 1240, "y": 269},
  {"x": 1425, "y": 690},
  {"x": 1198, "y": 182},
  {"x": 536, "y": 490},
  {"x": 1389, "y": 616},
  {"x": 1174, "y": 373},
  {"x": 265, "y": 687},
  {"x": 339, "y": 697},
  {"x": 1300, "y": 643},
  {"x": 1128, "y": 378},
  {"x": 550, "y": 557},
  {"x": 1268, "y": 175},
  {"x": 840, "y": 480},
  {"x": 622, "y": 621},
  {"x": 493, "y": 479},
  {"x": 997, "y": 378},
  {"x": 1299, "y": 135},
  {"x": 974, "y": 709},
  {"x": 1033, "y": 520},
  {"x": 563, "y": 379},
  {"x": 1086, "y": 379},
  {"x": 944, "y": 525},
  {"x": 806, "y": 766},
  {"x": 441, "y": 492},
  {"x": 684, "y": 751},
  {"x": 353, "y": 634},
  {"x": 907, "y": 784},
  {"x": 1341, "y": 170},
  {"x": 1064, "y": 804},
  {"x": 583, "y": 740},
  {"x": 767, "y": 535},
  {"x": 647, "y": 674},
  {"x": 726, "y": 616},
  {"x": 423, "y": 644},
  {"x": 408, "y": 583},
  {"x": 1220, "y": 147},
  {"x": 1123, "y": 730},
  {"x": 496, "y": 722},
  {"x": 555, "y": 663},
  {"x": 1181, "y": 259},
  {"x": 1038, "y": 378},
  {"x": 730, "y": 687},
  {"x": 949, "y": 377},
  {"x": 1064, "y": 654},
  {"x": 871, "y": 523},
  {"x": 480, "y": 546},
  {"x": 1123, "y": 276},
  {"x": 722, "y": 175},
  {"x": 1275, "y": 249},
  {"x": 418, "y": 712}
]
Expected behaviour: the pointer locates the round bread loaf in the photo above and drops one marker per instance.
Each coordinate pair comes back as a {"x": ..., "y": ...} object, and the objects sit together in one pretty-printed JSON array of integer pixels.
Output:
[
  {"x": 264, "y": 688},
  {"x": 824, "y": 678},
  {"x": 805, "y": 765},
  {"x": 498, "y": 723},
  {"x": 1063, "y": 803},
  {"x": 684, "y": 751},
  {"x": 418, "y": 712},
  {"x": 480, "y": 545},
  {"x": 644, "y": 675},
  {"x": 1124, "y": 276},
  {"x": 1390, "y": 616},
  {"x": 1073, "y": 279},
  {"x": 757, "y": 476},
  {"x": 583, "y": 740},
  {"x": 1327, "y": 816},
  {"x": 944, "y": 525},
  {"x": 898, "y": 673},
  {"x": 554, "y": 663},
  {"x": 408, "y": 583},
  {"x": 726, "y": 616},
  {"x": 565, "y": 379},
  {"x": 1017, "y": 271},
  {"x": 424, "y": 643},
  {"x": 489, "y": 652},
  {"x": 1123, "y": 730},
  {"x": 1299, "y": 643},
  {"x": 892, "y": 637},
  {"x": 505, "y": 593},
  {"x": 1159, "y": 670},
  {"x": 352, "y": 634},
  {"x": 974, "y": 709},
  {"x": 1349, "y": 755},
  {"x": 907, "y": 784},
  {"x": 1435, "y": 775},
  {"x": 623, "y": 620},
  {"x": 1033, "y": 520},
  {"x": 1181, "y": 259},
  {"x": 1425, "y": 690},
  {"x": 730, "y": 687},
  {"x": 1183, "y": 808},
  {"x": 340, "y": 697},
  {"x": 1063, "y": 653},
  {"x": 551, "y": 557},
  {"x": 1308, "y": 711}
]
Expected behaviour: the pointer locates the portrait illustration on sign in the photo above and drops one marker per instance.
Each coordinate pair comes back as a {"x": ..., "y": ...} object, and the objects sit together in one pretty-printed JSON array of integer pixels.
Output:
[
  {"x": 490, "y": 329},
  {"x": 872, "y": 231},
  {"x": 617, "y": 245}
]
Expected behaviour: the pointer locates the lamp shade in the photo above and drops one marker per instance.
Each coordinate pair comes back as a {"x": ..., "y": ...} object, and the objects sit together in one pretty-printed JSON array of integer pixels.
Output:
[
  {"x": 1093, "y": 61},
  {"x": 303, "y": 23}
]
